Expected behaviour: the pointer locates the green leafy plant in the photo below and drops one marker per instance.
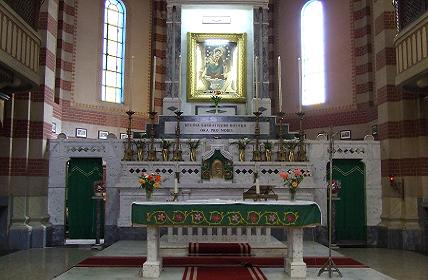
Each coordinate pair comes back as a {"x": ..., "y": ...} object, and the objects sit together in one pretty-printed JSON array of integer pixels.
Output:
[
  {"x": 216, "y": 99},
  {"x": 165, "y": 144},
  {"x": 194, "y": 144},
  {"x": 267, "y": 145},
  {"x": 242, "y": 143}
]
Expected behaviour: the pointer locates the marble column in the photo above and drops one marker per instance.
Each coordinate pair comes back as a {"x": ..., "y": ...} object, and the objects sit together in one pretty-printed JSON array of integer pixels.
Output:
[
  {"x": 153, "y": 265},
  {"x": 173, "y": 51},
  {"x": 294, "y": 265}
]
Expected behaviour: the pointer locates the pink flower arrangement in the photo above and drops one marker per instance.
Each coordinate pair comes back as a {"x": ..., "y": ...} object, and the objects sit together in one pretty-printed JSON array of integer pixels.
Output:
[{"x": 293, "y": 179}]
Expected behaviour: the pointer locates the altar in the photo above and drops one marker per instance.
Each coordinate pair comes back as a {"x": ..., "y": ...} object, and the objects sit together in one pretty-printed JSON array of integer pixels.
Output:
[{"x": 292, "y": 215}]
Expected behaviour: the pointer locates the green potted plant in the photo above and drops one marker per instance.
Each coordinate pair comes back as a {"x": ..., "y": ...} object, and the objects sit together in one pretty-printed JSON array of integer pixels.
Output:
[
  {"x": 193, "y": 145},
  {"x": 165, "y": 145},
  {"x": 242, "y": 144}
]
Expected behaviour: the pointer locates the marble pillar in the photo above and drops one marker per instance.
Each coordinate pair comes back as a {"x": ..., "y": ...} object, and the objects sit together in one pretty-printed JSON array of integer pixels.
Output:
[
  {"x": 294, "y": 265},
  {"x": 153, "y": 265}
]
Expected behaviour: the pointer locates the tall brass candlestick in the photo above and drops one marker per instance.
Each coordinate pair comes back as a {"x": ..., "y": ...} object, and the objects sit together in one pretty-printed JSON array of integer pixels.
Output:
[
  {"x": 257, "y": 152},
  {"x": 177, "y": 154},
  {"x": 127, "y": 156},
  {"x": 151, "y": 154},
  {"x": 301, "y": 151},
  {"x": 281, "y": 151}
]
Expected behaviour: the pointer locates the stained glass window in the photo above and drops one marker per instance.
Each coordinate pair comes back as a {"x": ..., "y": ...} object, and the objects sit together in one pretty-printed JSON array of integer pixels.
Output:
[
  {"x": 312, "y": 44},
  {"x": 113, "y": 51}
]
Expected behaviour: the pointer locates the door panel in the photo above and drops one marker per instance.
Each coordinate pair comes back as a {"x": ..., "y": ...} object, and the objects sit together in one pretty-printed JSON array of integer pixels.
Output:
[
  {"x": 81, "y": 175},
  {"x": 350, "y": 209}
]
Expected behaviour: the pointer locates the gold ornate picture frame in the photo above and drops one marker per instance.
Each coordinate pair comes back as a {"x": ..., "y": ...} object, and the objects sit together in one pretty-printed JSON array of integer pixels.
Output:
[{"x": 216, "y": 66}]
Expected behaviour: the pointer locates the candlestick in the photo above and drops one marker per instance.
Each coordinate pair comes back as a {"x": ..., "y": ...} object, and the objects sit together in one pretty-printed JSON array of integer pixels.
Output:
[
  {"x": 256, "y": 70},
  {"x": 179, "y": 84},
  {"x": 279, "y": 85},
  {"x": 131, "y": 83},
  {"x": 299, "y": 61},
  {"x": 152, "y": 109}
]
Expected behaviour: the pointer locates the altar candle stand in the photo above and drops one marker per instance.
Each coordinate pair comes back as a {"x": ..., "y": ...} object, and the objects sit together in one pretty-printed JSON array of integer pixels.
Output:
[
  {"x": 301, "y": 150},
  {"x": 281, "y": 151},
  {"x": 128, "y": 150},
  {"x": 257, "y": 152},
  {"x": 151, "y": 156},
  {"x": 175, "y": 192},
  {"x": 177, "y": 154}
]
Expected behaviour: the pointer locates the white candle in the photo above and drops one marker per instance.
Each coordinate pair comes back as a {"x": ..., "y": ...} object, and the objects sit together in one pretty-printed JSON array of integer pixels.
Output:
[
  {"x": 131, "y": 83},
  {"x": 257, "y": 185},
  {"x": 179, "y": 84},
  {"x": 279, "y": 85},
  {"x": 175, "y": 185},
  {"x": 256, "y": 70},
  {"x": 257, "y": 179},
  {"x": 153, "y": 84},
  {"x": 299, "y": 61}
]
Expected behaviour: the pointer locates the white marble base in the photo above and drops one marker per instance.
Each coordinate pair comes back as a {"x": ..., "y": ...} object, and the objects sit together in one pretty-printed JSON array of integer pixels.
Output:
[
  {"x": 152, "y": 269},
  {"x": 296, "y": 270}
]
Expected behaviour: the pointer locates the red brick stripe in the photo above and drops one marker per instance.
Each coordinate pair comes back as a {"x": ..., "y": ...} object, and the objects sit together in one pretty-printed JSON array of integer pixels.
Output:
[
  {"x": 17, "y": 167},
  {"x": 385, "y": 21},
  {"x": 404, "y": 167},
  {"x": 404, "y": 128},
  {"x": 47, "y": 58},
  {"x": 361, "y": 13},
  {"x": 99, "y": 118},
  {"x": 363, "y": 31},
  {"x": 390, "y": 93},
  {"x": 47, "y": 22},
  {"x": 385, "y": 57}
]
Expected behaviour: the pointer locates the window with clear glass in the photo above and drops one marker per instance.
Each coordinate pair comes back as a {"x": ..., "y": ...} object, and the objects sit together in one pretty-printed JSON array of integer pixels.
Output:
[
  {"x": 312, "y": 44},
  {"x": 113, "y": 51}
]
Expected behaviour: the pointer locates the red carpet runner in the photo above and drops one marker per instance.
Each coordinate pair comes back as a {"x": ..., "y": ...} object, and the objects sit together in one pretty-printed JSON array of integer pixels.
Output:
[
  {"x": 223, "y": 273},
  {"x": 222, "y": 249}
]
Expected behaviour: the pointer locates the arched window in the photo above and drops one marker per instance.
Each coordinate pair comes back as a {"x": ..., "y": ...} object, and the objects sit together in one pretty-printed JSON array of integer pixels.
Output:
[
  {"x": 113, "y": 51},
  {"x": 312, "y": 44}
]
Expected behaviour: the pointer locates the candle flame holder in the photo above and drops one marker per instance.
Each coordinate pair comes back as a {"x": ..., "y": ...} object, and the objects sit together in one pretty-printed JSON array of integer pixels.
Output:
[
  {"x": 151, "y": 153},
  {"x": 177, "y": 153},
  {"x": 301, "y": 148},
  {"x": 257, "y": 153},
  {"x": 128, "y": 153},
  {"x": 282, "y": 154}
]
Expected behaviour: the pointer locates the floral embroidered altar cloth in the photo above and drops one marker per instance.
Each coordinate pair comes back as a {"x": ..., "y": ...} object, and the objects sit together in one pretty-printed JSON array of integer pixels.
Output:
[{"x": 227, "y": 213}]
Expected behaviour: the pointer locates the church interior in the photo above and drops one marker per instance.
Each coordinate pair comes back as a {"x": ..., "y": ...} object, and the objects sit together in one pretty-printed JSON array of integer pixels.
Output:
[{"x": 181, "y": 139}]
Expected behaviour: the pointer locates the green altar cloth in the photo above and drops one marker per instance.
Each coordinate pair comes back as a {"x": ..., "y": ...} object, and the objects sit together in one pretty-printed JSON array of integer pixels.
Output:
[{"x": 227, "y": 213}]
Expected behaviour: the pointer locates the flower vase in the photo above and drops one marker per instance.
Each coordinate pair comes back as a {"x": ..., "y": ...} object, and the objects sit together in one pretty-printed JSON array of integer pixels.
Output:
[
  {"x": 149, "y": 195},
  {"x": 292, "y": 194}
]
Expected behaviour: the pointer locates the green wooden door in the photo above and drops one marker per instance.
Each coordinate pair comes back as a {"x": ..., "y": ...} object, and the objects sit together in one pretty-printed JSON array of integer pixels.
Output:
[
  {"x": 81, "y": 217},
  {"x": 350, "y": 209}
]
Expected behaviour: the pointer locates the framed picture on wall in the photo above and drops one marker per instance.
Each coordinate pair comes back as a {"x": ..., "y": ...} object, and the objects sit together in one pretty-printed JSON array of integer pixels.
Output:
[
  {"x": 81, "y": 132},
  {"x": 345, "y": 134},
  {"x": 216, "y": 66},
  {"x": 102, "y": 134},
  {"x": 123, "y": 136}
]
